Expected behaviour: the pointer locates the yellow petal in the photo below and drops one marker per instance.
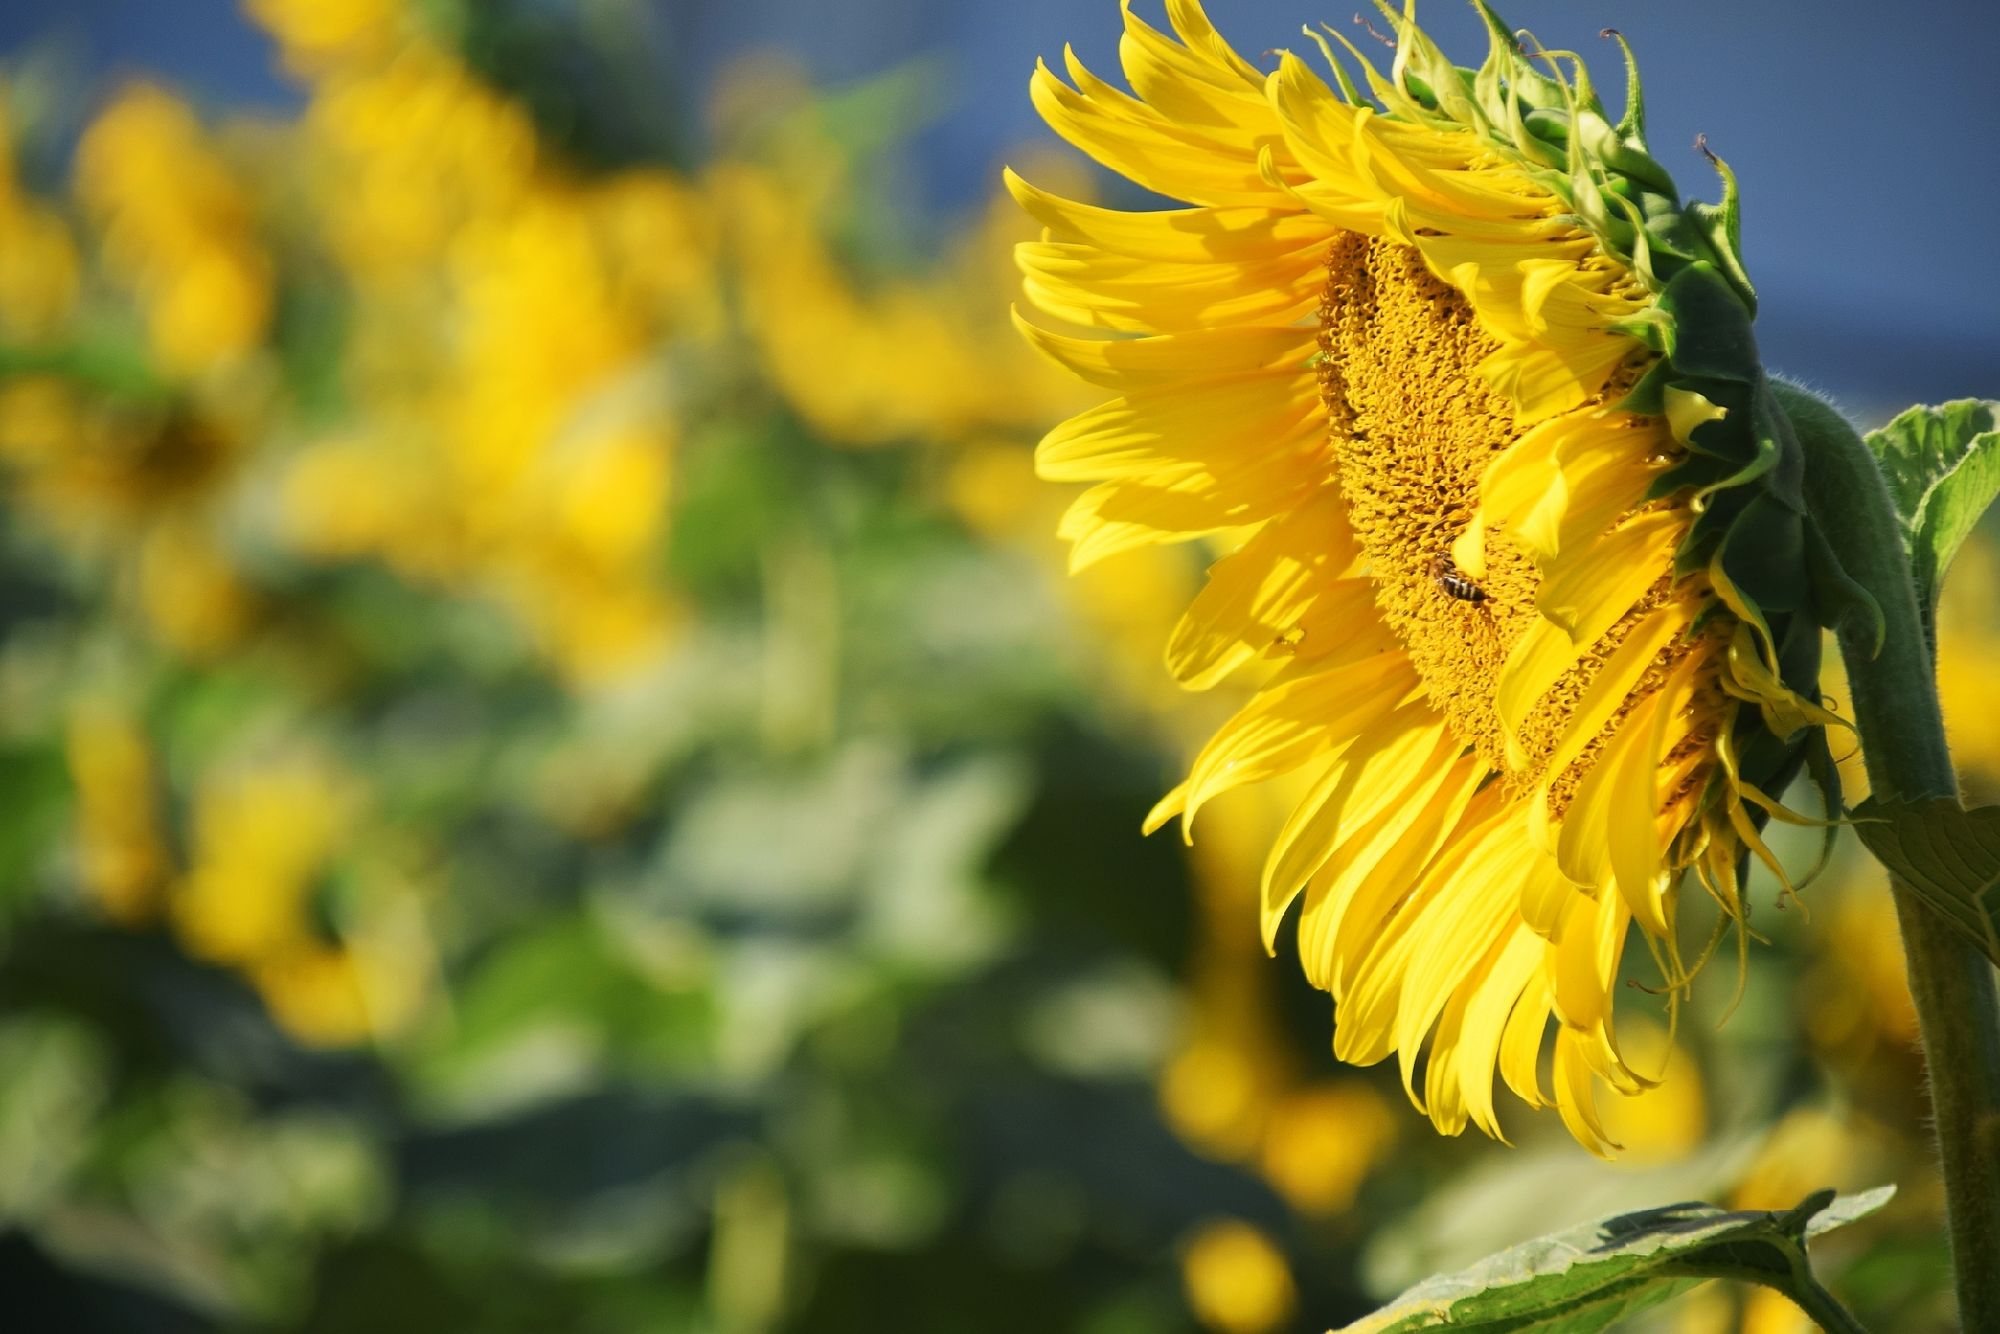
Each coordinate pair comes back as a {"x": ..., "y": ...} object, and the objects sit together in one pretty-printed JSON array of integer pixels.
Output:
[{"x": 1256, "y": 596}]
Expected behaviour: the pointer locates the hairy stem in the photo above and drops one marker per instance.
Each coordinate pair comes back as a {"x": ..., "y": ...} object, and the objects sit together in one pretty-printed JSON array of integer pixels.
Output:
[{"x": 1902, "y": 738}]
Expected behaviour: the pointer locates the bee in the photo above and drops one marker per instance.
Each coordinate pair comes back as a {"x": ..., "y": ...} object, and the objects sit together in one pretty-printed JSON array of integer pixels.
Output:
[{"x": 1453, "y": 583}]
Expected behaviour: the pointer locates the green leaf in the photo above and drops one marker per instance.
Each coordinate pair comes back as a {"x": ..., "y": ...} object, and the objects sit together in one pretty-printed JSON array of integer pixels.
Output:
[
  {"x": 1581, "y": 1280},
  {"x": 1949, "y": 856},
  {"x": 1943, "y": 469}
]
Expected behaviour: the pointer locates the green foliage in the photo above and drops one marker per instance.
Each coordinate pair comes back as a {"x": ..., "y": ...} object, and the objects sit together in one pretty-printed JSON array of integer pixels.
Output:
[
  {"x": 1943, "y": 468},
  {"x": 1948, "y": 855},
  {"x": 1582, "y": 1279}
]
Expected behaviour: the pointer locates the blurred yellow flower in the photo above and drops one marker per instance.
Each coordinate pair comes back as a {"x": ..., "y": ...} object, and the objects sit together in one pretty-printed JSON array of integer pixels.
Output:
[
  {"x": 1857, "y": 1004},
  {"x": 346, "y": 497},
  {"x": 131, "y": 477},
  {"x": 334, "y": 995},
  {"x": 1236, "y": 1279},
  {"x": 135, "y": 487},
  {"x": 191, "y": 594},
  {"x": 1808, "y": 1150},
  {"x": 266, "y": 835},
  {"x": 909, "y": 359},
  {"x": 1232, "y": 1064},
  {"x": 262, "y": 838},
  {"x": 401, "y": 149},
  {"x": 1731, "y": 1308},
  {"x": 97, "y": 468},
  {"x": 39, "y": 275},
  {"x": 178, "y": 228},
  {"x": 1968, "y": 626},
  {"x": 1968, "y": 640},
  {"x": 513, "y": 433},
  {"x": 121, "y": 853},
  {"x": 317, "y": 34},
  {"x": 662, "y": 241}
]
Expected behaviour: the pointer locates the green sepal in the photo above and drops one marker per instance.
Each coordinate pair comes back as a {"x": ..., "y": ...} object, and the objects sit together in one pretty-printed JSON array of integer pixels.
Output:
[
  {"x": 1723, "y": 224},
  {"x": 1764, "y": 555},
  {"x": 1824, "y": 773},
  {"x": 1694, "y": 472},
  {"x": 1622, "y": 154},
  {"x": 1668, "y": 234},
  {"x": 1505, "y": 56},
  {"x": 1800, "y": 648},
  {"x": 1768, "y": 420},
  {"x": 1765, "y": 758},
  {"x": 1747, "y": 469},
  {"x": 1835, "y": 593},
  {"x": 1712, "y": 334},
  {"x": 1650, "y": 327},
  {"x": 1557, "y": 128},
  {"x": 1632, "y": 124},
  {"x": 1648, "y": 397},
  {"x": 1770, "y": 762},
  {"x": 1550, "y": 125}
]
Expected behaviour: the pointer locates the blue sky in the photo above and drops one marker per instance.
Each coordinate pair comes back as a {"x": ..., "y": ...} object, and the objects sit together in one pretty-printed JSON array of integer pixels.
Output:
[{"x": 1867, "y": 135}]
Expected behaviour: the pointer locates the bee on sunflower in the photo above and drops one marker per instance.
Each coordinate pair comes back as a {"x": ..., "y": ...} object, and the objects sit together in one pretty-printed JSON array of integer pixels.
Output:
[{"x": 1518, "y": 561}]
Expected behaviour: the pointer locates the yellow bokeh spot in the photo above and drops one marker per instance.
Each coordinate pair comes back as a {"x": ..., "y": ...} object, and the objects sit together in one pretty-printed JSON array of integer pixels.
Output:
[
  {"x": 338, "y": 995},
  {"x": 315, "y": 993},
  {"x": 192, "y": 595},
  {"x": 1236, "y": 1279},
  {"x": 1859, "y": 987},
  {"x": 1212, "y": 1095},
  {"x": 1320, "y": 1143},
  {"x": 121, "y": 854},
  {"x": 262, "y": 838}
]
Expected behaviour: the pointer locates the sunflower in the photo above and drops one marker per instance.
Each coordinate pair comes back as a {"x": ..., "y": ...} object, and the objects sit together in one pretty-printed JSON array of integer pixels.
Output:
[{"x": 1517, "y": 559}]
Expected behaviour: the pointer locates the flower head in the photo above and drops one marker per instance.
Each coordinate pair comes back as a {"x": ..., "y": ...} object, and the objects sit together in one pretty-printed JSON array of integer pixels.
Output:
[{"x": 1518, "y": 563}]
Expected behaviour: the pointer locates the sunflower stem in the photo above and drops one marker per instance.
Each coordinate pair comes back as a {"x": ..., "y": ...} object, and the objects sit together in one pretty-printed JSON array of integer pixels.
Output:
[{"x": 1903, "y": 745}]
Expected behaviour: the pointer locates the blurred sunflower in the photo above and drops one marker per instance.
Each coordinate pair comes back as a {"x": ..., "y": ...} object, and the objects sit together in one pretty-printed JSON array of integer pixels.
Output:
[
  {"x": 128, "y": 455},
  {"x": 1521, "y": 568},
  {"x": 266, "y": 837},
  {"x": 513, "y": 426}
]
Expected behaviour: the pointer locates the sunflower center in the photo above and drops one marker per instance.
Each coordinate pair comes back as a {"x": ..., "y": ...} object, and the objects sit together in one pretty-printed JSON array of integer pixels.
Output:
[{"x": 1413, "y": 427}]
